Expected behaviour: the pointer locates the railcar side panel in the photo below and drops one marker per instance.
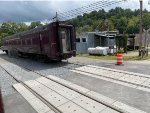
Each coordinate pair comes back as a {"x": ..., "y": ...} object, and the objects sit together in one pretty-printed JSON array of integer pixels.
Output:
[{"x": 56, "y": 41}]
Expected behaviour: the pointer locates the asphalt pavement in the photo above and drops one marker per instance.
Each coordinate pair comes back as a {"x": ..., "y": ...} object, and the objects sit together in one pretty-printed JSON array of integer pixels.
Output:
[{"x": 130, "y": 96}]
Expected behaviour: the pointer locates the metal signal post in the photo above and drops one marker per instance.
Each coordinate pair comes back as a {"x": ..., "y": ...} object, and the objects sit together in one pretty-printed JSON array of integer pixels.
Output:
[{"x": 141, "y": 28}]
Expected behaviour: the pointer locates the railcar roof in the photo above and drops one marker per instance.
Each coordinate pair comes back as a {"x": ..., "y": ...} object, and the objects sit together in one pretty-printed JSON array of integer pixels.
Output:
[{"x": 40, "y": 28}]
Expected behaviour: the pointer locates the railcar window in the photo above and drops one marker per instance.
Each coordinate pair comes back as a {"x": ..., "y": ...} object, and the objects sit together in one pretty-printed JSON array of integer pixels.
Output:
[{"x": 78, "y": 40}]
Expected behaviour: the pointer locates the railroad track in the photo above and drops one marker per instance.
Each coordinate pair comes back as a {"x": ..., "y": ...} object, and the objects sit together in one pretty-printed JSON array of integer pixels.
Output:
[
  {"x": 26, "y": 88},
  {"x": 78, "y": 91},
  {"x": 69, "y": 87},
  {"x": 130, "y": 79}
]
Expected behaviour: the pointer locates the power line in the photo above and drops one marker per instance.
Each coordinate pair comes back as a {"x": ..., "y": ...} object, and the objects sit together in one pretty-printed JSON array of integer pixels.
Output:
[
  {"x": 87, "y": 9},
  {"x": 96, "y": 7},
  {"x": 92, "y": 9},
  {"x": 82, "y": 8}
]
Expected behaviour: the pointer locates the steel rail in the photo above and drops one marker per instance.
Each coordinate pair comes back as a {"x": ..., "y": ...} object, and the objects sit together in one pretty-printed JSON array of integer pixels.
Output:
[
  {"x": 110, "y": 77},
  {"x": 55, "y": 109}
]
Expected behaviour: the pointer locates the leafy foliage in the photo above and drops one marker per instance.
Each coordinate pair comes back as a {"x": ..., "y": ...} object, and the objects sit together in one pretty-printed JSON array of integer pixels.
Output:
[
  {"x": 10, "y": 28},
  {"x": 124, "y": 20},
  {"x": 35, "y": 24},
  {"x": 120, "y": 51},
  {"x": 121, "y": 43}
]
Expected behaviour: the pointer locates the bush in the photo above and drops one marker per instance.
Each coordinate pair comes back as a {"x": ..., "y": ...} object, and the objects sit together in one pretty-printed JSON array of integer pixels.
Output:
[{"x": 120, "y": 51}]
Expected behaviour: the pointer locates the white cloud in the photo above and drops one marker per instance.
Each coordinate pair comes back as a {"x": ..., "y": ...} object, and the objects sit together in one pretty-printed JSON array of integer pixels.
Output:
[{"x": 32, "y": 10}]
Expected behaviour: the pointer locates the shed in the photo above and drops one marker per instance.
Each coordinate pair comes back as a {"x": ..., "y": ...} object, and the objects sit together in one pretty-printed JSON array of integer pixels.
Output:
[{"x": 93, "y": 39}]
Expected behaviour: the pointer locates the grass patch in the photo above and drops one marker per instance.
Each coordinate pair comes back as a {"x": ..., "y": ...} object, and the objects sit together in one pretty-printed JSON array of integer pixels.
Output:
[{"x": 114, "y": 57}]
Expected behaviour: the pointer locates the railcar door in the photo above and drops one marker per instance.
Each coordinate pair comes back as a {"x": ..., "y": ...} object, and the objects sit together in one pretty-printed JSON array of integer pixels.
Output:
[{"x": 65, "y": 36}]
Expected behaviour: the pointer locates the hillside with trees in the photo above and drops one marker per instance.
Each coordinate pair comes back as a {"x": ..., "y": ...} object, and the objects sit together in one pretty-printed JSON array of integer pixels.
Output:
[{"x": 124, "y": 20}]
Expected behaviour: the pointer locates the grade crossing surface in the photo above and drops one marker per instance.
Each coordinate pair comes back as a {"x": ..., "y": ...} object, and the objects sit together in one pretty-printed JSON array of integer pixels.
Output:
[
  {"x": 64, "y": 99},
  {"x": 61, "y": 96},
  {"x": 68, "y": 100},
  {"x": 130, "y": 79}
]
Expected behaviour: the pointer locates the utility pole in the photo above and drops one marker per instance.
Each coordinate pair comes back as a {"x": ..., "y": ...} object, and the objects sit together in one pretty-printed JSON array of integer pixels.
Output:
[
  {"x": 56, "y": 16},
  {"x": 141, "y": 28},
  {"x": 146, "y": 38},
  {"x": 146, "y": 41}
]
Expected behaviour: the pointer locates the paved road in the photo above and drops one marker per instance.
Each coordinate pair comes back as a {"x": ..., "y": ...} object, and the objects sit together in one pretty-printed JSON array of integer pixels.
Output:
[
  {"x": 133, "y": 97},
  {"x": 132, "y": 66}
]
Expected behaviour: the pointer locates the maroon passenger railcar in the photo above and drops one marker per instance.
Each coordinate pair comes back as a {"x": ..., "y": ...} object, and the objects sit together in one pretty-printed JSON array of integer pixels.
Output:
[{"x": 55, "y": 41}]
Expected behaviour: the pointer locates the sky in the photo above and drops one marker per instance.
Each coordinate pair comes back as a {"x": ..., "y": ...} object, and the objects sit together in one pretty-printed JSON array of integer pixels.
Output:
[{"x": 40, "y": 10}]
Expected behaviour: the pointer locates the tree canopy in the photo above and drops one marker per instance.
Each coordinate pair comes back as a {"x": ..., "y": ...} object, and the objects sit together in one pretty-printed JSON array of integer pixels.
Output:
[
  {"x": 10, "y": 28},
  {"x": 123, "y": 20}
]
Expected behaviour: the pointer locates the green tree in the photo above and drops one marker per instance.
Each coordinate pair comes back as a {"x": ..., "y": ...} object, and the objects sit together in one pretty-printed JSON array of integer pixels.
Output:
[
  {"x": 86, "y": 28},
  {"x": 124, "y": 20},
  {"x": 133, "y": 25},
  {"x": 22, "y": 27},
  {"x": 13, "y": 27},
  {"x": 121, "y": 42},
  {"x": 96, "y": 24},
  {"x": 122, "y": 24},
  {"x": 9, "y": 27},
  {"x": 2, "y": 36},
  {"x": 111, "y": 25},
  {"x": 35, "y": 24},
  {"x": 146, "y": 21}
]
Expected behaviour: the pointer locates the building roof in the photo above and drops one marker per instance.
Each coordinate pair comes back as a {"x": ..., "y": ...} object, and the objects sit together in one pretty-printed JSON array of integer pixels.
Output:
[{"x": 101, "y": 33}]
